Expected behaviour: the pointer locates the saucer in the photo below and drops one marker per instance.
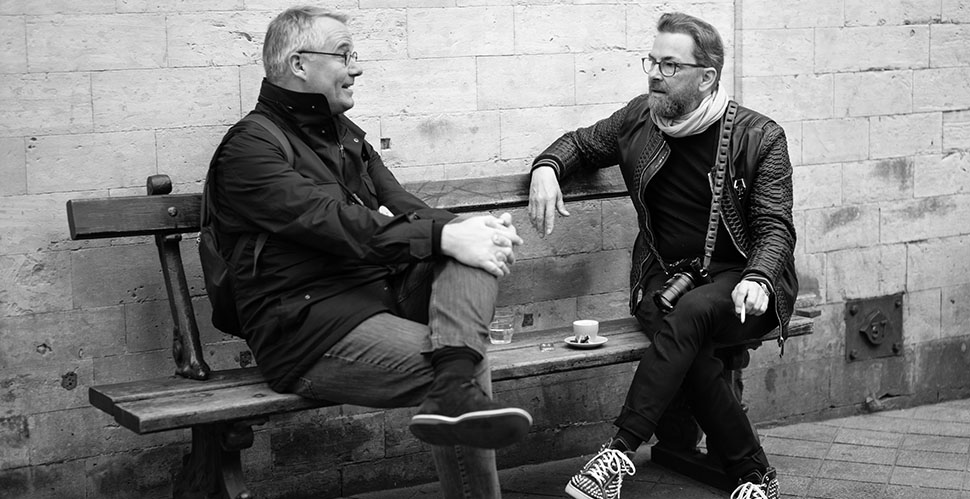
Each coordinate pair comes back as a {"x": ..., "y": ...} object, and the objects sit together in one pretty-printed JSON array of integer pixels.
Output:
[{"x": 598, "y": 342}]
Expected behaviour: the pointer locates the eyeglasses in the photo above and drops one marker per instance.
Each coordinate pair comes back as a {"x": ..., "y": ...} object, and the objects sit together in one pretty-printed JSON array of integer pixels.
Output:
[
  {"x": 348, "y": 56},
  {"x": 668, "y": 68}
]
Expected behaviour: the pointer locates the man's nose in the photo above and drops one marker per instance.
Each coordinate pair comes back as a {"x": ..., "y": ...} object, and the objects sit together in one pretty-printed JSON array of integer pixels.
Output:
[{"x": 355, "y": 68}]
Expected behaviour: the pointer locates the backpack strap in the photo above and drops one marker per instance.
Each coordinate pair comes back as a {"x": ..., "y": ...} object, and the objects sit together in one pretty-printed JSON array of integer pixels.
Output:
[
  {"x": 207, "y": 206},
  {"x": 273, "y": 129}
]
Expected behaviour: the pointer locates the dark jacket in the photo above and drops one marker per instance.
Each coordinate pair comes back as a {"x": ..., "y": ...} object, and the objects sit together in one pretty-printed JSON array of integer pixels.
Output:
[
  {"x": 325, "y": 265},
  {"x": 756, "y": 203}
]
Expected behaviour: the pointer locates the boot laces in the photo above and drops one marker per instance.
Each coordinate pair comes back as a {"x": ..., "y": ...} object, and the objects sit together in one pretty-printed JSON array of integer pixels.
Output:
[
  {"x": 748, "y": 490},
  {"x": 610, "y": 462}
]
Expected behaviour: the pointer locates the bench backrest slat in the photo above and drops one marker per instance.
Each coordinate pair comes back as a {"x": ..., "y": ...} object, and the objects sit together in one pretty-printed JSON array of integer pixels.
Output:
[
  {"x": 99, "y": 218},
  {"x": 512, "y": 191}
]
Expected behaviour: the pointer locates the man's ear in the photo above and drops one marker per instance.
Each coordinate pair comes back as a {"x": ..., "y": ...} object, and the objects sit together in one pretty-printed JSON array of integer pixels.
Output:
[
  {"x": 708, "y": 80},
  {"x": 295, "y": 65}
]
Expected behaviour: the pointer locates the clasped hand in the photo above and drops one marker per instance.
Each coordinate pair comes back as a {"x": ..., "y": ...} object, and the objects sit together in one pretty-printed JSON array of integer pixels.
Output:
[{"x": 485, "y": 241}]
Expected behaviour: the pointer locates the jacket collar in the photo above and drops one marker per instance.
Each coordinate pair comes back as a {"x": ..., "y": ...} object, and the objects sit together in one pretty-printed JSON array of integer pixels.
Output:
[{"x": 305, "y": 109}]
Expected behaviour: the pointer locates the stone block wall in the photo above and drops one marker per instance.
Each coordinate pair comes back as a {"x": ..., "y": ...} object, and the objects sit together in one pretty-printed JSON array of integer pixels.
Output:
[
  {"x": 97, "y": 95},
  {"x": 874, "y": 101}
]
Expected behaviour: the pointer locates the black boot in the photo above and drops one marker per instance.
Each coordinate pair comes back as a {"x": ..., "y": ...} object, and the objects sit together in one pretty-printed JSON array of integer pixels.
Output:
[{"x": 457, "y": 412}]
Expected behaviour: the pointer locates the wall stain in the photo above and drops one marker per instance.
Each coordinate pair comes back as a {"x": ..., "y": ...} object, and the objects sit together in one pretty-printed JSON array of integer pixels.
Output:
[
  {"x": 771, "y": 376},
  {"x": 898, "y": 169},
  {"x": 842, "y": 217},
  {"x": 14, "y": 432},
  {"x": 15, "y": 482},
  {"x": 930, "y": 207},
  {"x": 434, "y": 128}
]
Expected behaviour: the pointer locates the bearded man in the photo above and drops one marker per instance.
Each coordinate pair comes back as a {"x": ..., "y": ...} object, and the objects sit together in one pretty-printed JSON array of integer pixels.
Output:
[{"x": 711, "y": 184}]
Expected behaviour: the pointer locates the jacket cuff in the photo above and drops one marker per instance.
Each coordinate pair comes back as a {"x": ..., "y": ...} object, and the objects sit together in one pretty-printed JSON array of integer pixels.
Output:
[
  {"x": 436, "y": 228},
  {"x": 539, "y": 163},
  {"x": 760, "y": 279}
]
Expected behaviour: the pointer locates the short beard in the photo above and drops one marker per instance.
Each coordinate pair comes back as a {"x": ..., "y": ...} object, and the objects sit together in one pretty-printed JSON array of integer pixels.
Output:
[{"x": 674, "y": 105}]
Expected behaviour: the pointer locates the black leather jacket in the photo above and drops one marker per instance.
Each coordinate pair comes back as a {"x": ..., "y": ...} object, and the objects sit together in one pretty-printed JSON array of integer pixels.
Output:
[{"x": 756, "y": 203}]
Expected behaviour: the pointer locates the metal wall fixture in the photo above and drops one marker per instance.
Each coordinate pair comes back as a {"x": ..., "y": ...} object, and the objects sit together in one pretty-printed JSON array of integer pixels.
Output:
[{"x": 874, "y": 327}]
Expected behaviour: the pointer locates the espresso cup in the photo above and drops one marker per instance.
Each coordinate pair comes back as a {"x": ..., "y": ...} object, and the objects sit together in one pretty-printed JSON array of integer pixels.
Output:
[{"x": 586, "y": 327}]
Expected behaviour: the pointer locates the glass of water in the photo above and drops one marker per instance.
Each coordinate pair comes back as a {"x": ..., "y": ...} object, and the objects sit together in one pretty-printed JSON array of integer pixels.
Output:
[{"x": 502, "y": 327}]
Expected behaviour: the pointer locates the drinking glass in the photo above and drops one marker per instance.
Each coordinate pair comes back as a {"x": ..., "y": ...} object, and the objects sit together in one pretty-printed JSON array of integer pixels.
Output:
[{"x": 501, "y": 329}]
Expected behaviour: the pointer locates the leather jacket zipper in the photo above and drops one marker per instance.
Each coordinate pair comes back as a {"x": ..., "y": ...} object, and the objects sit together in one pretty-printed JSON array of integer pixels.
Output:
[{"x": 636, "y": 293}]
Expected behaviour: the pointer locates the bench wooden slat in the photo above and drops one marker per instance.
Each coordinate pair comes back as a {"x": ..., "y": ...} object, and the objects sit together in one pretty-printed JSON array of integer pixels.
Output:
[
  {"x": 106, "y": 397},
  {"x": 99, "y": 218},
  {"x": 510, "y": 191},
  {"x": 209, "y": 406},
  {"x": 173, "y": 402},
  {"x": 124, "y": 216}
]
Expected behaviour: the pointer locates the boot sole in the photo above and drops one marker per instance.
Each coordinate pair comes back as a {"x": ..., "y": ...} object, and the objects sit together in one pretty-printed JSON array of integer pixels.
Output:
[
  {"x": 492, "y": 429},
  {"x": 576, "y": 493}
]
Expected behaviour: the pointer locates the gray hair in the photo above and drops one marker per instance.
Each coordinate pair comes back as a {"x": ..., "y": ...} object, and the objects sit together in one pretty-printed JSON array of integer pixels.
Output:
[
  {"x": 288, "y": 32},
  {"x": 708, "y": 47}
]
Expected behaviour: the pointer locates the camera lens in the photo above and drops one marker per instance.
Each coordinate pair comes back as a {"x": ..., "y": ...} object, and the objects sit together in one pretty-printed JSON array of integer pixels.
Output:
[{"x": 673, "y": 289}]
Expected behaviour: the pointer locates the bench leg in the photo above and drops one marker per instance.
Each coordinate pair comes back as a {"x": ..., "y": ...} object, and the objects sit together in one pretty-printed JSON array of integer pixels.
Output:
[{"x": 212, "y": 470}]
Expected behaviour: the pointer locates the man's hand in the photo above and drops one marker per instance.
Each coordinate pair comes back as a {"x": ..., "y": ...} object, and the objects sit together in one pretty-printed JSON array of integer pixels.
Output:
[
  {"x": 483, "y": 241},
  {"x": 545, "y": 199},
  {"x": 750, "y": 298}
]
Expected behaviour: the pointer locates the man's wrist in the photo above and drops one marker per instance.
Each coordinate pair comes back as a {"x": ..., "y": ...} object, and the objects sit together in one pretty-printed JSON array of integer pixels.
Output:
[
  {"x": 546, "y": 162},
  {"x": 761, "y": 281}
]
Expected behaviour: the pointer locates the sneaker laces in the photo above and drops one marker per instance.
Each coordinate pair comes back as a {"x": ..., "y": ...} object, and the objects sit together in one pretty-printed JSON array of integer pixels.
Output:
[
  {"x": 748, "y": 490},
  {"x": 609, "y": 462}
]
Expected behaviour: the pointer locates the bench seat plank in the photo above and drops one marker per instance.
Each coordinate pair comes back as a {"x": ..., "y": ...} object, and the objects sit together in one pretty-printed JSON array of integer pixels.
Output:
[
  {"x": 208, "y": 406},
  {"x": 174, "y": 402}
]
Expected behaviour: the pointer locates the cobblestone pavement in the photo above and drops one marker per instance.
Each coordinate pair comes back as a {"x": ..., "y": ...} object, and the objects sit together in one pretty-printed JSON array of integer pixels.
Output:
[{"x": 915, "y": 453}]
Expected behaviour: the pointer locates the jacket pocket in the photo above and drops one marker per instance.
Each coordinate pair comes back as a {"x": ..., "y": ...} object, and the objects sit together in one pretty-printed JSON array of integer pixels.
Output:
[{"x": 369, "y": 184}]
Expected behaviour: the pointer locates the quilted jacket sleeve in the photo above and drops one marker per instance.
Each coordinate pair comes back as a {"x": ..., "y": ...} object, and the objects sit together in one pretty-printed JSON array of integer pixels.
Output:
[
  {"x": 771, "y": 228},
  {"x": 594, "y": 146}
]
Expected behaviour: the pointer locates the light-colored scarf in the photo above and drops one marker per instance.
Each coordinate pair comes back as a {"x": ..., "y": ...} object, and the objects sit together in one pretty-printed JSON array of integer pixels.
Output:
[{"x": 710, "y": 110}]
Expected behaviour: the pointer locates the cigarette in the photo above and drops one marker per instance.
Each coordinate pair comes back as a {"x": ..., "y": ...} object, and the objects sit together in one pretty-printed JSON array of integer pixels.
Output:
[{"x": 742, "y": 314}]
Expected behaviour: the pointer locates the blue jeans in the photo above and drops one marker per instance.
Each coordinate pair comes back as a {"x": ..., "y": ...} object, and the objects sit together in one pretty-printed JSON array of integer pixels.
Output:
[{"x": 383, "y": 362}]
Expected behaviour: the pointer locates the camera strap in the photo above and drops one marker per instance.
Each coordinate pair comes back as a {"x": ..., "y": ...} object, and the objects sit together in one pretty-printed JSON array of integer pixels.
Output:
[{"x": 720, "y": 169}]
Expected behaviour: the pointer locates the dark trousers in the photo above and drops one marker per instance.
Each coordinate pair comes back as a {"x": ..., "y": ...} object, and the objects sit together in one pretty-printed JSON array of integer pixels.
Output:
[
  {"x": 681, "y": 357},
  {"x": 383, "y": 362}
]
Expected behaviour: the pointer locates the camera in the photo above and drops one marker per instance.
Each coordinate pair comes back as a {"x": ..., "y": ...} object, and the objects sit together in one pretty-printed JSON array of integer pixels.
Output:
[{"x": 688, "y": 274}]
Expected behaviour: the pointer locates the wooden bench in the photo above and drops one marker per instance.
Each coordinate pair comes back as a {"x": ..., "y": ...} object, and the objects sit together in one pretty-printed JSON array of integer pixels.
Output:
[{"x": 220, "y": 407}]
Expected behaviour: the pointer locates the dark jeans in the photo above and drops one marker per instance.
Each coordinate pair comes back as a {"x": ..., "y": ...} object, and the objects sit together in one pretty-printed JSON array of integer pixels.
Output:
[
  {"x": 681, "y": 356},
  {"x": 383, "y": 362}
]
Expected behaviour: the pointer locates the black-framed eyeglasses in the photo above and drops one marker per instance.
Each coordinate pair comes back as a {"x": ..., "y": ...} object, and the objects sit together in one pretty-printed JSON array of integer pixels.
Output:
[
  {"x": 348, "y": 56},
  {"x": 668, "y": 68}
]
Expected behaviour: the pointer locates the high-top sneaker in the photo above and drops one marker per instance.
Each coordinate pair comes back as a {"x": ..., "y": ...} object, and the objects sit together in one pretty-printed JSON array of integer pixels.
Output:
[
  {"x": 756, "y": 485},
  {"x": 602, "y": 476}
]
